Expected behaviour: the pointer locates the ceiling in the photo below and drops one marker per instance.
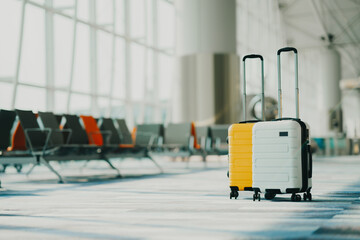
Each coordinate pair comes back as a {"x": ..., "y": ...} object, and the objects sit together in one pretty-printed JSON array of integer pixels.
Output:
[{"x": 314, "y": 23}]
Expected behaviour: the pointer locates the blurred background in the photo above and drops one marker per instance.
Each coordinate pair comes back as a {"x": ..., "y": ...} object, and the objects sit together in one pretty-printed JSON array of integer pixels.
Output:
[{"x": 172, "y": 61}]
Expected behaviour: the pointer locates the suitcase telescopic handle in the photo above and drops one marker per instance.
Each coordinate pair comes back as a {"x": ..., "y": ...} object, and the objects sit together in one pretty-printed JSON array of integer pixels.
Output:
[
  {"x": 262, "y": 85},
  {"x": 288, "y": 49}
]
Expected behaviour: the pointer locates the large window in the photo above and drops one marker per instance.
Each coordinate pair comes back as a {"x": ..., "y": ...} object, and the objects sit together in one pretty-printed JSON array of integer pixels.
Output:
[{"x": 100, "y": 57}]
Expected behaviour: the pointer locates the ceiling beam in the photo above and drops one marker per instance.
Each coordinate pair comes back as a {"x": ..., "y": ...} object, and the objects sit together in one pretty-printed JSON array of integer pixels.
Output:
[
  {"x": 285, "y": 7},
  {"x": 350, "y": 24},
  {"x": 346, "y": 28},
  {"x": 303, "y": 31},
  {"x": 351, "y": 36},
  {"x": 318, "y": 17}
]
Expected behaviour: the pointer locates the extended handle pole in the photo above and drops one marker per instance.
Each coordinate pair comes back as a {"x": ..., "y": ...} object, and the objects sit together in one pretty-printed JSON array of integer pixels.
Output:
[
  {"x": 262, "y": 85},
  {"x": 288, "y": 49}
]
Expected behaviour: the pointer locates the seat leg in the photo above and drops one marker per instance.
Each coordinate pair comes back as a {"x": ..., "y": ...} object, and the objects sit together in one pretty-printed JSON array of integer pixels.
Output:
[
  {"x": 31, "y": 169},
  {"x": 157, "y": 165},
  {"x": 113, "y": 167},
  {"x": 4, "y": 168},
  {"x": 85, "y": 164},
  {"x": 187, "y": 159},
  {"x": 43, "y": 161},
  {"x": 204, "y": 160}
]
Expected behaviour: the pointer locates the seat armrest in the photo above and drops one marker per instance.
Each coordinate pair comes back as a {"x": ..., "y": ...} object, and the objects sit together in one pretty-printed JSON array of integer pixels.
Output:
[
  {"x": 151, "y": 140},
  {"x": 208, "y": 144},
  {"x": 160, "y": 142},
  {"x": 106, "y": 133},
  {"x": 191, "y": 143},
  {"x": 47, "y": 131}
]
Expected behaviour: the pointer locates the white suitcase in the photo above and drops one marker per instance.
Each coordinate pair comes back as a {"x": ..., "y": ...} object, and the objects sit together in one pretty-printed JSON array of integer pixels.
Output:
[{"x": 282, "y": 161}]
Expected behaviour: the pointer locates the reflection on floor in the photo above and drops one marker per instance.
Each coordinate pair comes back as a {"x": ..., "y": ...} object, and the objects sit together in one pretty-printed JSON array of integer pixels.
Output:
[{"x": 183, "y": 203}]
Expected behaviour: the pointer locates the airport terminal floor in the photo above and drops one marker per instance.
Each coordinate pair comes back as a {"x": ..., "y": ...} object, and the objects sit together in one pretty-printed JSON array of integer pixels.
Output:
[{"x": 187, "y": 201}]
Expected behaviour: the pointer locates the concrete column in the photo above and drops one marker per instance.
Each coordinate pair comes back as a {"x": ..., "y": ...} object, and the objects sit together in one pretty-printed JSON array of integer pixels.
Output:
[
  {"x": 207, "y": 67},
  {"x": 330, "y": 94}
]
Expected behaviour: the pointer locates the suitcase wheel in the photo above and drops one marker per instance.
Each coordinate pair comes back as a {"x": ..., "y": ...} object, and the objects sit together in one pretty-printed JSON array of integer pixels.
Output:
[
  {"x": 234, "y": 194},
  {"x": 307, "y": 196},
  {"x": 269, "y": 196},
  {"x": 295, "y": 197},
  {"x": 256, "y": 196}
]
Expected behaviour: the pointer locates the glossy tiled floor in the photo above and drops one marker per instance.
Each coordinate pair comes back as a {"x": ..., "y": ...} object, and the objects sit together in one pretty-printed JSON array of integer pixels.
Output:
[{"x": 183, "y": 203}]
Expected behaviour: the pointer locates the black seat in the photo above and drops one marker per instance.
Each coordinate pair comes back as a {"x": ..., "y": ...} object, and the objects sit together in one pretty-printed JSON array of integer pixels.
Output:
[
  {"x": 49, "y": 121},
  {"x": 78, "y": 135},
  {"x": 7, "y": 119},
  {"x": 58, "y": 118},
  {"x": 35, "y": 137},
  {"x": 107, "y": 124},
  {"x": 124, "y": 133}
]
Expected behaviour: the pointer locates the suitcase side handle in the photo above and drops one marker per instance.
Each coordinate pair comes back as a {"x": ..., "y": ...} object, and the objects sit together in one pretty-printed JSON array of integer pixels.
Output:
[
  {"x": 310, "y": 161},
  {"x": 250, "y": 56},
  {"x": 288, "y": 49}
]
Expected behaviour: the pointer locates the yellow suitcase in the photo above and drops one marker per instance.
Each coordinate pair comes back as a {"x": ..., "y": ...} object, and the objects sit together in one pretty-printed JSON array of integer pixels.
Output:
[{"x": 240, "y": 143}]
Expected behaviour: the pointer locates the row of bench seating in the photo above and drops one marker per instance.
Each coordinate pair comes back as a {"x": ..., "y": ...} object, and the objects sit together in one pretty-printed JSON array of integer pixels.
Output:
[{"x": 44, "y": 137}]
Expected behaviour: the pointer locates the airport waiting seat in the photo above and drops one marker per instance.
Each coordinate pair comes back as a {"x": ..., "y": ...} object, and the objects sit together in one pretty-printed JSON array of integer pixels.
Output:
[
  {"x": 123, "y": 145},
  {"x": 181, "y": 135},
  {"x": 64, "y": 137},
  {"x": 59, "y": 118},
  {"x": 47, "y": 146},
  {"x": 180, "y": 141},
  {"x": 80, "y": 144},
  {"x": 18, "y": 141},
  {"x": 98, "y": 137},
  {"x": 146, "y": 135},
  {"x": 150, "y": 135},
  {"x": 61, "y": 138},
  {"x": 78, "y": 134},
  {"x": 58, "y": 136},
  {"x": 95, "y": 136},
  {"x": 203, "y": 135},
  {"x": 107, "y": 124},
  {"x": 15, "y": 154},
  {"x": 219, "y": 134},
  {"x": 37, "y": 139},
  {"x": 178, "y": 136},
  {"x": 7, "y": 119},
  {"x": 126, "y": 139}
]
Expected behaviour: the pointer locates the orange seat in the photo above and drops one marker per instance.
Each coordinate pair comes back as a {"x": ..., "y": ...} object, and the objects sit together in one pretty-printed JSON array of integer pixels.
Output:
[
  {"x": 133, "y": 134},
  {"x": 193, "y": 133},
  {"x": 92, "y": 130},
  {"x": 18, "y": 141},
  {"x": 127, "y": 145}
]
